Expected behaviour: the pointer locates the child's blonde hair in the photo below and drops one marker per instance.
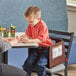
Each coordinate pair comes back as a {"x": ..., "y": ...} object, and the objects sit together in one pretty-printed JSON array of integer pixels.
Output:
[{"x": 33, "y": 10}]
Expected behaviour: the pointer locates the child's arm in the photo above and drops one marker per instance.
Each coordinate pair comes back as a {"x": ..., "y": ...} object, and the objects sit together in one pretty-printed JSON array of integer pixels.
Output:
[{"x": 27, "y": 40}]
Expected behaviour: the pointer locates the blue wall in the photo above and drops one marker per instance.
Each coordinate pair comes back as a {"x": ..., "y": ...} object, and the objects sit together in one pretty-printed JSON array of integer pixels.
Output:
[
  {"x": 12, "y": 12},
  {"x": 53, "y": 13},
  {"x": 72, "y": 57}
]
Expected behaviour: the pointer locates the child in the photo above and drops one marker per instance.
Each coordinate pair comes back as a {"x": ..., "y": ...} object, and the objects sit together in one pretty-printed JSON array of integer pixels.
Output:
[{"x": 37, "y": 32}]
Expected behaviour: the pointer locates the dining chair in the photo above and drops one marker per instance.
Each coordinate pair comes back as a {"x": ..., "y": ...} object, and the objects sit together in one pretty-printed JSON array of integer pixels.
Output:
[
  {"x": 58, "y": 53},
  {"x": 67, "y": 37}
]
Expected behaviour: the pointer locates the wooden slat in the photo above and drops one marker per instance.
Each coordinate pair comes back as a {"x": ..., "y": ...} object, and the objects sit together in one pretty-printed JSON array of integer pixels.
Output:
[
  {"x": 60, "y": 32},
  {"x": 66, "y": 40}
]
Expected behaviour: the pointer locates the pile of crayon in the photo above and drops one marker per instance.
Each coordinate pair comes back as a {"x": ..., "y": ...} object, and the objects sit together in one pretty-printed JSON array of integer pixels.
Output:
[
  {"x": 12, "y": 31},
  {"x": 5, "y": 32},
  {"x": 0, "y": 30}
]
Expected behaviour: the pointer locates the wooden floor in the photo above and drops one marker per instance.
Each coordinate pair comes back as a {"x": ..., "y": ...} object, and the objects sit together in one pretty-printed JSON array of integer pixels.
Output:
[{"x": 71, "y": 70}]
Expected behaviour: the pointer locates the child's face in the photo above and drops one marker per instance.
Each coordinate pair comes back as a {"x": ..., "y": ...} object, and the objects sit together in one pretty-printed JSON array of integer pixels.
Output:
[{"x": 32, "y": 20}]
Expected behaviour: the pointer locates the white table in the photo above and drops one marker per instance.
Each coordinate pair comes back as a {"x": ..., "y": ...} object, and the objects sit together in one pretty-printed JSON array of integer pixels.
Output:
[{"x": 20, "y": 45}]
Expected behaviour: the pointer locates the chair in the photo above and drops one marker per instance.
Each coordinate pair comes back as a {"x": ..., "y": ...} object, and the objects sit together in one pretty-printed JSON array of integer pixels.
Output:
[
  {"x": 67, "y": 38},
  {"x": 59, "y": 38}
]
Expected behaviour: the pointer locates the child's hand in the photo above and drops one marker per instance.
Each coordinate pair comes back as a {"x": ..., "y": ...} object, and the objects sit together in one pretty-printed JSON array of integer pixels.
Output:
[
  {"x": 19, "y": 40},
  {"x": 22, "y": 36},
  {"x": 25, "y": 40}
]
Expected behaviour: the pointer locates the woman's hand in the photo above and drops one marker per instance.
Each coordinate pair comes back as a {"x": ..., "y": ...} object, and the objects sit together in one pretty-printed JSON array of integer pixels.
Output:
[
  {"x": 13, "y": 41},
  {"x": 6, "y": 39}
]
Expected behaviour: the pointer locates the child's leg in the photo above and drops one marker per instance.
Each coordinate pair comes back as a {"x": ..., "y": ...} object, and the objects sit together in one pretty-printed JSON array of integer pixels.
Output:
[
  {"x": 41, "y": 68},
  {"x": 29, "y": 61}
]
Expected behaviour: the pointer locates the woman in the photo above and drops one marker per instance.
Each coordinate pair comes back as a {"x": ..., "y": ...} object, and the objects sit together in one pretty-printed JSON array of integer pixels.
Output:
[{"x": 5, "y": 69}]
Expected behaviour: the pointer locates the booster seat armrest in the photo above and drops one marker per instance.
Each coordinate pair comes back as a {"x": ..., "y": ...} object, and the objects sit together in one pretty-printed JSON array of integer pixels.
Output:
[
  {"x": 58, "y": 43},
  {"x": 55, "y": 39},
  {"x": 56, "y": 54}
]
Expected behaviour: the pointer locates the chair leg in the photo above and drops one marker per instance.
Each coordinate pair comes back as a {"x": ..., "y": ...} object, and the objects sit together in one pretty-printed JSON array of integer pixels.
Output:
[
  {"x": 66, "y": 74},
  {"x": 66, "y": 69},
  {"x": 49, "y": 74}
]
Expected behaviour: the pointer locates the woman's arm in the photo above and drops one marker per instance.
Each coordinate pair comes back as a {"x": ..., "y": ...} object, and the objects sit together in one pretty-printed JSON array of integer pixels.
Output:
[{"x": 4, "y": 46}]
